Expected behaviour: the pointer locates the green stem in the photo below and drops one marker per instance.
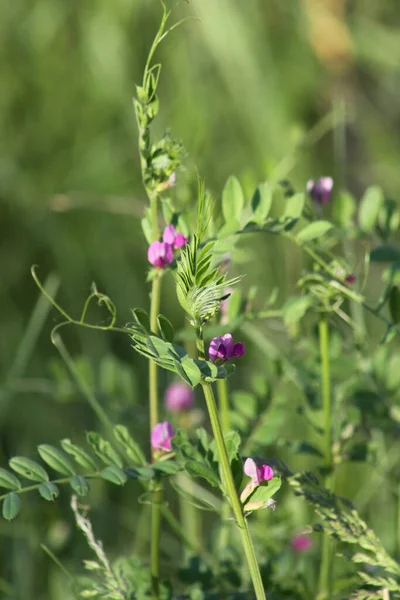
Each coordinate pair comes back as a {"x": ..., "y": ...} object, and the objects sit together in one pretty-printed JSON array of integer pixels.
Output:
[
  {"x": 325, "y": 575},
  {"x": 153, "y": 369},
  {"x": 223, "y": 401},
  {"x": 156, "y": 505},
  {"x": 228, "y": 482},
  {"x": 223, "y": 404}
]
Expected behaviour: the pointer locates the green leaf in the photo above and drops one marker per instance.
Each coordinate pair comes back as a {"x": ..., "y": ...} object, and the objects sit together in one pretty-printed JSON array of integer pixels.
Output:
[
  {"x": 294, "y": 206},
  {"x": 114, "y": 474},
  {"x": 166, "y": 329},
  {"x": 261, "y": 203},
  {"x": 9, "y": 480},
  {"x": 28, "y": 468},
  {"x": 266, "y": 490},
  {"x": 80, "y": 485},
  {"x": 232, "y": 200},
  {"x": 313, "y": 231},
  {"x": 142, "y": 318},
  {"x": 131, "y": 448},
  {"x": 49, "y": 491},
  {"x": 80, "y": 455},
  {"x": 295, "y": 308},
  {"x": 232, "y": 442},
  {"x": 394, "y": 304},
  {"x": 56, "y": 459},
  {"x": 344, "y": 209},
  {"x": 245, "y": 403},
  {"x": 103, "y": 449},
  {"x": 370, "y": 205},
  {"x": 168, "y": 467},
  {"x": 198, "y": 469},
  {"x": 11, "y": 506},
  {"x": 386, "y": 253}
]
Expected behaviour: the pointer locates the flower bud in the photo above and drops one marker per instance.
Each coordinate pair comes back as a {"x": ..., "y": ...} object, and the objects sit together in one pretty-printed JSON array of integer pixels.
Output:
[{"x": 179, "y": 397}]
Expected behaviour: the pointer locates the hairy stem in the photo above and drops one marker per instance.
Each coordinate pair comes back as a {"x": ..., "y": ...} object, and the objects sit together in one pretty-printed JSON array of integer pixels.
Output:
[
  {"x": 325, "y": 575},
  {"x": 228, "y": 482}
]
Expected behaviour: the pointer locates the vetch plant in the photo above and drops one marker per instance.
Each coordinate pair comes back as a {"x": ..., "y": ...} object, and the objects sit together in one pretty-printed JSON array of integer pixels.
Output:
[{"x": 324, "y": 395}]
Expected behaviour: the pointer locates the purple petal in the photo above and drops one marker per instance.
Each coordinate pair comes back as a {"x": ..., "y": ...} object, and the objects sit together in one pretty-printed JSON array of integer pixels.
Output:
[
  {"x": 227, "y": 341},
  {"x": 238, "y": 350},
  {"x": 154, "y": 253},
  {"x": 179, "y": 397},
  {"x": 169, "y": 235},
  {"x": 180, "y": 240},
  {"x": 266, "y": 473},
  {"x": 161, "y": 436},
  {"x": 216, "y": 349}
]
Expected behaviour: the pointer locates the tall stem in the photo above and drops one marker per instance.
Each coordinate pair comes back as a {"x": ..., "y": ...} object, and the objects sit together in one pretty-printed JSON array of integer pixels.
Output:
[
  {"x": 325, "y": 575},
  {"x": 229, "y": 484},
  {"x": 157, "y": 495},
  {"x": 223, "y": 405}
]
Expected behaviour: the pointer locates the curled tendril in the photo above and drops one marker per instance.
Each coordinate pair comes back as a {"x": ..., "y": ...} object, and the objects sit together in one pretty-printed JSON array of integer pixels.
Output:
[{"x": 102, "y": 300}]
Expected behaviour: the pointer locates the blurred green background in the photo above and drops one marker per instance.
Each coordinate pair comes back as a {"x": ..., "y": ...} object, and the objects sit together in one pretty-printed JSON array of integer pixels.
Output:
[{"x": 265, "y": 90}]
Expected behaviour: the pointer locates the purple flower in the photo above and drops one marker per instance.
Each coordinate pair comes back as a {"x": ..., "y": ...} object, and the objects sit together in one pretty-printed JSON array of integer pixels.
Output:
[
  {"x": 301, "y": 543},
  {"x": 160, "y": 254},
  {"x": 257, "y": 475},
  {"x": 161, "y": 436},
  {"x": 173, "y": 238},
  {"x": 222, "y": 348},
  {"x": 179, "y": 397},
  {"x": 320, "y": 190}
]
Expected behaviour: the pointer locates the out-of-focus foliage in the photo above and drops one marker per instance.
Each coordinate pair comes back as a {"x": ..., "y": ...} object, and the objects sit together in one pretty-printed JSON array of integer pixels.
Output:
[{"x": 265, "y": 90}]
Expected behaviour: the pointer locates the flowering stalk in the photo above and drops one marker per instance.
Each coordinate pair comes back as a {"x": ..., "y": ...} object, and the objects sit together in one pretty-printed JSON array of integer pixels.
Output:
[
  {"x": 228, "y": 480},
  {"x": 325, "y": 575}
]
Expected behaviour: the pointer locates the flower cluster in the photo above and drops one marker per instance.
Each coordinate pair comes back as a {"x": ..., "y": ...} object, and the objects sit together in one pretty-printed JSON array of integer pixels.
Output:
[
  {"x": 161, "y": 254},
  {"x": 320, "y": 190},
  {"x": 222, "y": 349}
]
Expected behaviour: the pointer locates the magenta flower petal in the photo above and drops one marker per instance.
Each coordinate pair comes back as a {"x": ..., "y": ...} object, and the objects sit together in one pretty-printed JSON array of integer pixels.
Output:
[
  {"x": 161, "y": 436},
  {"x": 266, "y": 473},
  {"x": 160, "y": 254},
  {"x": 179, "y": 397},
  {"x": 301, "y": 543},
  {"x": 180, "y": 240},
  {"x": 169, "y": 235}
]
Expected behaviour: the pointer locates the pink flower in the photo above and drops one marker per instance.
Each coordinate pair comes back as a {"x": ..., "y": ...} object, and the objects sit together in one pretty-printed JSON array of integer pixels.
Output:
[
  {"x": 257, "y": 475},
  {"x": 320, "y": 190},
  {"x": 301, "y": 543},
  {"x": 222, "y": 348},
  {"x": 160, "y": 254},
  {"x": 161, "y": 436},
  {"x": 179, "y": 397},
  {"x": 171, "y": 237}
]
